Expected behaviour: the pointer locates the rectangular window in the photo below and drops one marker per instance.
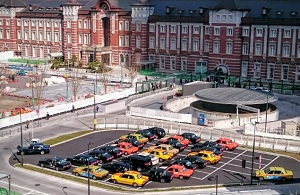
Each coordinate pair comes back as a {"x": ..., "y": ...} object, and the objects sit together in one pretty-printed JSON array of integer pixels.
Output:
[
  {"x": 138, "y": 42},
  {"x": 195, "y": 45},
  {"x": 56, "y": 24},
  {"x": 1, "y": 22},
  {"x": 121, "y": 25},
  {"x": 256, "y": 70},
  {"x": 218, "y": 17},
  {"x": 32, "y": 23},
  {"x": 7, "y": 22},
  {"x": 80, "y": 24},
  {"x": 245, "y": 49},
  {"x": 19, "y": 47},
  {"x": 258, "y": 49},
  {"x": 26, "y": 36},
  {"x": 162, "y": 62},
  {"x": 49, "y": 36},
  {"x": 1, "y": 34},
  {"x": 41, "y": 36},
  {"x": 284, "y": 72},
  {"x": 7, "y": 34},
  {"x": 173, "y": 63},
  {"x": 173, "y": 44},
  {"x": 183, "y": 63},
  {"x": 151, "y": 28},
  {"x": 162, "y": 28},
  {"x": 33, "y": 35},
  {"x": 18, "y": 22},
  {"x": 230, "y": 17},
  {"x": 216, "y": 47},
  {"x": 286, "y": 50},
  {"x": 34, "y": 51},
  {"x": 80, "y": 38},
  {"x": 287, "y": 33},
  {"x": 127, "y": 41},
  {"x": 151, "y": 42},
  {"x": 25, "y": 23},
  {"x": 244, "y": 71},
  {"x": 273, "y": 33},
  {"x": 216, "y": 30},
  {"x": 224, "y": 17},
  {"x": 298, "y": 51},
  {"x": 126, "y": 25},
  {"x": 151, "y": 57},
  {"x": 85, "y": 24},
  {"x": 196, "y": 30},
  {"x": 183, "y": 44},
  {"x": 272, "y": 49},
  {"x": 173, "y": 28},
  {"x": 49, "y": 24},
  {"x": 207, "y": 29},
  {"x": 69, "y": 38},
  {"x": 201, "y": 67},
  {"x": 229, "y": 31},
  {"x": 41, "y": 52},
  {"x": 121, "y": 40},
  {"x": 298, "y": 73},
  {"x": 41, "y": 23},
  {"x": 162, "y": 43},
  {"x": 270, "y": 71},
  {"x": 206, "y": 46},
  {"x": 259, "y": 32},
  {"x": 184, "y": 29},
  {"x": 85, "y": 39},
  {"x": 246, "y": 32},
  {"x": 19, "y": 34},
  {"x": 228, "y": 47},
  {"x": 138, "y": 27},
  {"x": 26, "y": 50}
]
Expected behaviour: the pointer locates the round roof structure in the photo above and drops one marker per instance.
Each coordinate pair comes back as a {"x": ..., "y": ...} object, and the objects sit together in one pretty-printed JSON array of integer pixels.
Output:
[{"x": 235, "y": 96}]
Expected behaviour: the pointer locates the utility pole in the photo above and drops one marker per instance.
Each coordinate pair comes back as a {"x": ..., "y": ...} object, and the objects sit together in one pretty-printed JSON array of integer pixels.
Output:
[{"x": 22, "y": 159}]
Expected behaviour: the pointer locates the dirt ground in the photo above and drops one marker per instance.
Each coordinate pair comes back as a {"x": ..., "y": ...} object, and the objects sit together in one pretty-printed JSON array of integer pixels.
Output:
[{"x": 8, "y": 103}]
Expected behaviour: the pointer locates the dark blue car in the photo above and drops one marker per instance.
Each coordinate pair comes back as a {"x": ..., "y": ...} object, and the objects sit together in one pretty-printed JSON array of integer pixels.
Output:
[
  {"x": 38, "y": 148},
  {"x": 57, "y": 163}
]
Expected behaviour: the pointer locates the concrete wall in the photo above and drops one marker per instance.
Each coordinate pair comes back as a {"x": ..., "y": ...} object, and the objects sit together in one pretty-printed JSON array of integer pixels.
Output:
[
  {"x": 177, "y": 104},
  {"x": 6, "y": 55},
  {"x": 193, "y": 87},
  {"x": 112, "y": 107}
]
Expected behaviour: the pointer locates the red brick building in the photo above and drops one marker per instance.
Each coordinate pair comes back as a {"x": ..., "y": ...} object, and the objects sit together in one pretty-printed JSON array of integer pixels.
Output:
[{"x": 248, "y": 38}]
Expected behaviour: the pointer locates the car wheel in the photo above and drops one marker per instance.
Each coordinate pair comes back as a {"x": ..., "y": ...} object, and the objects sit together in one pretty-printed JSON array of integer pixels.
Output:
[
  {"x": 114, "y": 181},
  {"x": 135, "y": 185},
  {"x": 162, "y": 180},
  {"x": 226, "y": 148},
  {"x": 283, "y": 179},
  {"x": 94, "y": 177},
  {"x": 56, "y": 168},
  {"x": 42, "y": 165},
  {"x": 42, "y": 152},
  {"x": 261, "y": 178},
  {"x": 181, "y": 177},
  {"x": 139, "y": 169},
  {"x": 77, "y": 174}
]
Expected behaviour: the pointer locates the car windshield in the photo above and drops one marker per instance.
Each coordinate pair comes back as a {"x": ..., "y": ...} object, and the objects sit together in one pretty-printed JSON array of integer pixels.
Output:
[
  {"x": 99, "y": 170},
  {"x": 193, "y": 136},
  {"x": 171, "y": 148},
  {"x": 212, "y": 155},
  {"x": 130, "y": 146},
  {"x": 267, "y": 170},
  {"x": 115, "y": 150},
  {"x": 188, "y": 163},
  {"x": 141, "y": 137},
  {"x": 184, "y": 169},
  {"x": 163, "y": 173},
  {"x": 230, "y": 141},
  {"x": 139, "y": 176},
  {"x": 147, "y": 132},
  {"x": 62, "y": 161},
  {"x": 90, "y": 158},
  {"x": 164, "y": 152}
]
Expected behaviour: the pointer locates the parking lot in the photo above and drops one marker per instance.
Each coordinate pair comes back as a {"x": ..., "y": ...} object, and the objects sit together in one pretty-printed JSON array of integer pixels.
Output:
[{"x": 229, "y": 170}]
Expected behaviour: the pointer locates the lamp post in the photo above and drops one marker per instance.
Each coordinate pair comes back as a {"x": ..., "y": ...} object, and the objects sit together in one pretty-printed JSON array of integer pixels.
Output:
[
  {"x": 95, "y": 118},
  {"x": 89, "y": 190},
  {"x": 253, "y": 149},
  {"x": 214, "y": 178},
  {"x": 267, "y": 107},
  {"x": 63, "y": 189},
  {"x": 21, "y": 130}
]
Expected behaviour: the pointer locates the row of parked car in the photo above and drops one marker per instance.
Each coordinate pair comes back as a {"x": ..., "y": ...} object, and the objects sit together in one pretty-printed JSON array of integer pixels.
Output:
[{"x": 137, "y": 168}]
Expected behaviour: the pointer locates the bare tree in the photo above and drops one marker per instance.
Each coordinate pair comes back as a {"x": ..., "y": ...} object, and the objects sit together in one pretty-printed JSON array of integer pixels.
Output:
[
  {"x": 38, "y": 83},
  {"x": 75, "y": 82},
  {"x": 104, "y": 77},
  {"x": 132, "y": 73}
]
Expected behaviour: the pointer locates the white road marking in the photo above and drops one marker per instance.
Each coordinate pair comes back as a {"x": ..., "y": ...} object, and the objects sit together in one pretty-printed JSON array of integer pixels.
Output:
[
  {"x": 99, "y": 146},
  {"x": 201, "y": 171},
  {"x": 234, "y": 165},
  {"x": 241, "y": 160},
  {"x": 28, "y": 189},
  {"x": 105, "y": 180},
  {"x": 270, "y": 162},
  {"x": 196, "y": 178},
  {"x": 236, "y": 172},
  {"x": 226, "y": 151},
  {"x": 224, "y": 165}
]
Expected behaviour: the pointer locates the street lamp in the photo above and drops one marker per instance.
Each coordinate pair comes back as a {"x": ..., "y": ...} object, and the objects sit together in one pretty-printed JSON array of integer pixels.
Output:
[
  {"x": 95, "y": 118},
  {"x": 214, "y": 178},
  {"x": 63, "y": 189},
  {"x": 89, "y": 169},
  {"x": 253, "y": 149},
  {"x": 22, "y": 159},
  {"x": 15, "y": 157}
]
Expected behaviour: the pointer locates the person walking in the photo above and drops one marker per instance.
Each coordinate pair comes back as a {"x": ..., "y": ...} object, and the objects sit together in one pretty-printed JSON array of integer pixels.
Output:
[
  {"x": 47, "y": 116},
  {"x": 27, "y": 124}
]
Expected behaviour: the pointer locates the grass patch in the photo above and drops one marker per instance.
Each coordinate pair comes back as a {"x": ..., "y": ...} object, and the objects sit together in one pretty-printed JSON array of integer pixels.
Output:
[{"x": 66, "y": 137}]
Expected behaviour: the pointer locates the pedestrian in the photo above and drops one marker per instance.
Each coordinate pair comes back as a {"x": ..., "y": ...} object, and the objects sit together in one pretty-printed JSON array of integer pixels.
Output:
[
  {"x": 73, "y": 108},
  {"x": 47, "y": 116},
  {"x": 180, "y": 81},
  {"x": 146, "y": 78},
  {"x": 255, "y": 85},
  {"x": 97, "y": 108},
  {"x": 27, "y": 124}
]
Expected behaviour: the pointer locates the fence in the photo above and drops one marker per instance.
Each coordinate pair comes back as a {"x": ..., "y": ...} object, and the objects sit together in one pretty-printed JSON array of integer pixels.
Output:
[{"x": 205, "y": 133}]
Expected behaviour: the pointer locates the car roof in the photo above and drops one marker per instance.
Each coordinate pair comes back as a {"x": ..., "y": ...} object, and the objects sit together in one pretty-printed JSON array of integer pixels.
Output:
[
  {"x": 206, "y": 152},
  {"x": 166, "y": 145},
  {"x": 176, "y": 166},
  {"x": 158, "y": 169},
  {"x": 132, "y": 172},
  {"x": 159, "y": 150},
  {"x": 276, "y": 168},
  {"x": 224, "y": 138}
]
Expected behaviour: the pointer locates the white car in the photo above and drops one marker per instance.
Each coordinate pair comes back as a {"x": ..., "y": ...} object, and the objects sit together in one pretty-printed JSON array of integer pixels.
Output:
[
  {"x": 262, "y": 89},
  {"x": 154, "y": 159}
]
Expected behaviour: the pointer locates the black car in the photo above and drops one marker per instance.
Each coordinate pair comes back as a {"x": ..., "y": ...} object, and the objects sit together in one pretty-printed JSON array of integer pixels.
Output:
[
  {"x": 147, "y": 133},
  {"x": 83, "y": 159},
  {"x": 159, "y": 132},
  {"x": 195, "y": 160},
  {"x": 197, "y": 147},
  {"x": 214, "y": 150},
  {"x": 133, "y": 142},
  {"x": 138, "y": 162},
  {"x": 192, "y": 137},
  {"x": 184, "y": 162},
  {"x": 159, "y": 174},
  {"x": 37, "y": 148},
  {"x": 113, "y": 150},
  {"x": 57, "y": 163},
  {"x": 175, "y": 143},
  {"x": 116, "y": 167},
  {"x": 214, "y": 145},
  {"x": 102, "y": 156}
]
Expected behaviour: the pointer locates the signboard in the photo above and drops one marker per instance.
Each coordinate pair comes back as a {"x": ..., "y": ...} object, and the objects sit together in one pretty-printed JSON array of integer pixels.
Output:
[
  {"x": 201, "y": 120},
  {"x": 25, "y": 68}
]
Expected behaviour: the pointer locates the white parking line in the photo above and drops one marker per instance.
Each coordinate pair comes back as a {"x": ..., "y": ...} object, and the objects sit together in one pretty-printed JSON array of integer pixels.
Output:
[
  {"x": 236, "y": 172},
  {"x": 30, "y": 190},
  {"x": 241, "y": 160},
  {"x": 196, "y": 178},
  {"x": 226, "y": 151},
  {"x": 234, "y": 165},
  {"x": 224, "y": 165},
  {"x": 201, "y": 171},
  {"x": 270, "y": 162},
  {"x": 99, "y": 146},
  {"x": 105, "y": 180}
]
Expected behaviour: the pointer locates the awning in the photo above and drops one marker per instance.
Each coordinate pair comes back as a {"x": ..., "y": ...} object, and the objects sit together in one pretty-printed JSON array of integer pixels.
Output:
[
  {"x": 223, "y": 68},
  {"x": 56, "y": 54}
]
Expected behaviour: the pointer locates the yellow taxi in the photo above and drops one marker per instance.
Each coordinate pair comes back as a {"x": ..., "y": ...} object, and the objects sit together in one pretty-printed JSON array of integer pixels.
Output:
[
  {"x": 166, "y": 147},
  {"x": 135, "y": 136},
  {"x": 161, "y": 154},
  {"x": 96, "y": 172},
  {"x": 274, "y": 173},
  {"x": 208, "y": 156},
  {"x": 132, "y": 178}
]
